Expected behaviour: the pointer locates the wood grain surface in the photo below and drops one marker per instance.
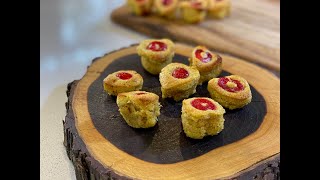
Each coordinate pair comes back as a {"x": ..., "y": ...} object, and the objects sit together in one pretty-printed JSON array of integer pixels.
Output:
[
  {"x": 252, "y": 32},
  {"x": 96, "y": 157}
]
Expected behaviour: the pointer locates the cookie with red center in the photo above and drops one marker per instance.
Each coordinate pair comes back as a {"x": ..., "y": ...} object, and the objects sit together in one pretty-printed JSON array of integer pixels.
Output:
[
  {"x": 193, "y": 11},
  {"x": 219, "y": 8},
  {"x": 140, "y": 7},
  {"x": 178, "y": 81},
  {"x": 201, "y": 116},
  {"x": 208, "y": 63},
  {"x": 231, "y": 92},
  {"x": 155, "y": 54},
  {"x": 166, "y": 8},
  {"x": 139, "y": 109},
  {"x": 122, "y": 81}
]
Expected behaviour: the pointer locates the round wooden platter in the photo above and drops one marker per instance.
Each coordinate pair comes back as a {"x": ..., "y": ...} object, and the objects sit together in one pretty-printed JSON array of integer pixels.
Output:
[{"x": 102, "y": 146}]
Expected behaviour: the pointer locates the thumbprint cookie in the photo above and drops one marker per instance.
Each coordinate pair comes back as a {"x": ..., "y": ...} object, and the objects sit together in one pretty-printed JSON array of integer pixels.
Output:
[
  {"x": 207, "y": 63},
  {"x": 219, "y": 8},
  {"x": 166, "y": 8},
  {"x": 178, "y": 81},
  {"x": 122, "y": 81},
  {"x": 139, "y": 109},
  {"x": 140, "y": 7},
  {"x": 155, "y": 54},
  {"x": 202, "y": 116},
  {"x": 193, "y": 11},
  {"x": 231, "y": 92}
]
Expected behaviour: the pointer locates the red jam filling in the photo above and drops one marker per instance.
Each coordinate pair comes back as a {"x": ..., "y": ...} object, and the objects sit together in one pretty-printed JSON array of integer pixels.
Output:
[
  {"x": 157, "y": 46},
  {"x": 222, "y": 82},
  {"x": 124, "y": 75},
  {"x": 203, "y": 56},
  {"x": 166, "y": 2},
  {"x": 196, "y": 4},
  {"x": 180, "y": 73},
  {"x": 140, "y": 93},
  {"x": 203, "y": 104}
]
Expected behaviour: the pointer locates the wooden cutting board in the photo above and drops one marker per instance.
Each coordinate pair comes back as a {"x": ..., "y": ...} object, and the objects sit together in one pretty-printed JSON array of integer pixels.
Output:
[
  {"x": 102, "y": 146},
  {"x": 252, "y": 32}
]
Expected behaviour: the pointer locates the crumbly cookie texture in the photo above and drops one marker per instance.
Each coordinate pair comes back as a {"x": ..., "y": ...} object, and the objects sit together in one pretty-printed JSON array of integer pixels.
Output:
[
  {"x": 178, "y": 81},
  {"x": 122, "y": 81},
  {"x": 208, "y": 64},
  {"x": 155, "y": 54},
  {"x": 193, "y": 11},
  {"x": 166, "y": 8},
  {"x": 219, "y": 8},
  {"x": 140, "y": 7},
  {"x": 202, "y": 116},
  {"x": 231, "y": 92},
  {"x": 139, "y": 109}
]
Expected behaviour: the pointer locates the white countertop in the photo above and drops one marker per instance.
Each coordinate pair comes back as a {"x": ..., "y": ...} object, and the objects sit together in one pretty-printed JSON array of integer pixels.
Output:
[{"x": 72, "y": 33}]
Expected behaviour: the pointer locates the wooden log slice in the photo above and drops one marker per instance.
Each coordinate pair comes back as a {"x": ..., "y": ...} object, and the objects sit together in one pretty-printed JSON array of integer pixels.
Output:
[{"x": 102, "y": 146}]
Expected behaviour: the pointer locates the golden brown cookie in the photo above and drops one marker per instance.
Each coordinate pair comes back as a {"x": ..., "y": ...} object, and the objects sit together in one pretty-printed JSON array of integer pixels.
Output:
[
  {"x": 140, "y": 7},
  {"x": 219, "y": 8},
  {"x": 139, "y": 109},
  {"x": 122, "y": 81},
  {"x": 166, "y": 8},
  {"x": 178, "y": 81},
  {"x": 193, "y": 11},
  {"x": 207, "y": 63},
  {"x": 201, "y": 116},
  {"x": 230, "y": 91},
  {"x": 155, "y": 54}
]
